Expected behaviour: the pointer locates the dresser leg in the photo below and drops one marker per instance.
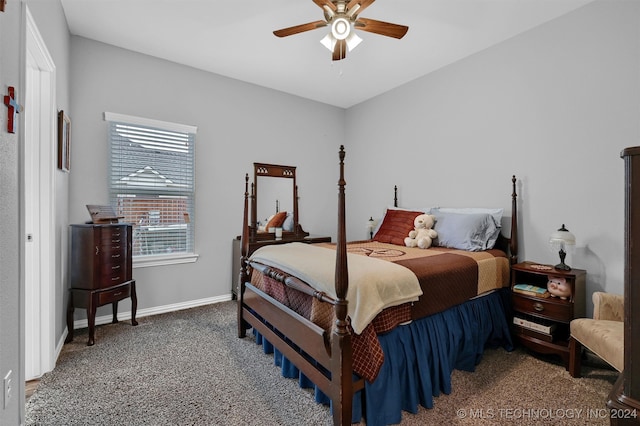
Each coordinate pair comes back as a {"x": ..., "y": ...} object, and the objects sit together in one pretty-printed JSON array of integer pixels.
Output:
[
  {"x": 91, "y": 318},
  {"x": 114, "y": 309},
  {"x": 69, "y": 319},
  {"x": 134, "y": 303}
]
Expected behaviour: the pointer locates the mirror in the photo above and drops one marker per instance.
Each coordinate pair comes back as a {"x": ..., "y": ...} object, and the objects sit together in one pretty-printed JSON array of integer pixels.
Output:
[
  {"x": 278, "y": 191},
  {"x": 276, "y": 195}
]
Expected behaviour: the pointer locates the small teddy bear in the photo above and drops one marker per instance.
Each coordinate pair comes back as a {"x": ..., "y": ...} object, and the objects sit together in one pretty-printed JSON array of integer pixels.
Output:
[{"x": 423, "y": 234}]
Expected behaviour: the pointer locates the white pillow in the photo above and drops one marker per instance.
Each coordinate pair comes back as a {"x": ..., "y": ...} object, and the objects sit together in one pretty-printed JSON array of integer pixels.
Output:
[
  {"x": 496, "y": 213},
  {"x": 288, "y": 223},
  {"x": 466, "y": 229}
]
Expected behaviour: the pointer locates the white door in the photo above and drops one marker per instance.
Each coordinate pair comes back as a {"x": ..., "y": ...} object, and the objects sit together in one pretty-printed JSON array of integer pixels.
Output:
[{"x": 39, "y": 117}]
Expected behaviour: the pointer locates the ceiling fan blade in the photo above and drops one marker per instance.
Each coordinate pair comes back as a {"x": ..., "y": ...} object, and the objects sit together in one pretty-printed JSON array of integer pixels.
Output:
[
  {"x": 300, "y": 28},
  {"x": 382, "y": 28},
  {"x": 340, "y": 50},
  {"x": 363, "y": 5},
  {"x": 328, "y": 3}
]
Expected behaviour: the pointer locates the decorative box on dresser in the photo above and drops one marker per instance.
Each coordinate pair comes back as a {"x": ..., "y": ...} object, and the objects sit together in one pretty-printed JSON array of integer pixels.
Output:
[
  {"x": 101, "y": 271},
  {"x": 545, "y": 328}
]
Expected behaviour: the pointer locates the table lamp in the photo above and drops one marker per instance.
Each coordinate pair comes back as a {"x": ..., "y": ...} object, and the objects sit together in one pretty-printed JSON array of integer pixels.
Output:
[
  {"x": 560, "y": 240},
  {"x": 370, "y": 226}
]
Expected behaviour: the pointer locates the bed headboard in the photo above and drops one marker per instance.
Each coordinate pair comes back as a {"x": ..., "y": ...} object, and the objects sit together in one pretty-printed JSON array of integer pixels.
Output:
[{"x": 507, "y": 244}]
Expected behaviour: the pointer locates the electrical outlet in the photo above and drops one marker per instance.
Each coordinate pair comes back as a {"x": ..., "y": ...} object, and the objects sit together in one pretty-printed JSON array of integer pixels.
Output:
[{"x": 8, "y": 388}]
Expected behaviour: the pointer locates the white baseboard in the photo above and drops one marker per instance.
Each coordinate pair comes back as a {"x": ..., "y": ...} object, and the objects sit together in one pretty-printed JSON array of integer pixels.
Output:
[{"x": 106, "y": 319}]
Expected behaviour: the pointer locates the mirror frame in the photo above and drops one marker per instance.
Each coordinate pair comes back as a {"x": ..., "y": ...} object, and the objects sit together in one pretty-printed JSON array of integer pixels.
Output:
[{"x": 276, "y": 171}]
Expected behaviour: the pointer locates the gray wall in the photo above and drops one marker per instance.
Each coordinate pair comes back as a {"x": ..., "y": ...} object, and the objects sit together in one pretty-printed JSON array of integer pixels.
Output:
[
  {"x": 554, "y": 106},
  {"x": 53, "y": 28},
  {"x": 238, "y": 124}
]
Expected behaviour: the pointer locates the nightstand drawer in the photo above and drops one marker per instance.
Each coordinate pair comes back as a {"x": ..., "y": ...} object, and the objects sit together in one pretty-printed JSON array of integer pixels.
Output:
[
  {"x": 553, "y": 309},
  {"x": 114, "y": 295}
]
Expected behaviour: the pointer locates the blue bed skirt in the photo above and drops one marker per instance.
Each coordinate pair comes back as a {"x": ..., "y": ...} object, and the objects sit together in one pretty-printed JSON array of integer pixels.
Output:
[{"x": 420, "y": 357}]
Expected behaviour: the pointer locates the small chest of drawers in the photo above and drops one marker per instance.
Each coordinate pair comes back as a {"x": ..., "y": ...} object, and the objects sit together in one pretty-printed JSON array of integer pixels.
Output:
[{"x": 100, "y": 271}]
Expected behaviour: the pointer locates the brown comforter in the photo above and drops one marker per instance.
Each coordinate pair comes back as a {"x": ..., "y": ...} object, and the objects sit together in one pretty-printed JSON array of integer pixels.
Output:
[{"x": 447, "y": 277}]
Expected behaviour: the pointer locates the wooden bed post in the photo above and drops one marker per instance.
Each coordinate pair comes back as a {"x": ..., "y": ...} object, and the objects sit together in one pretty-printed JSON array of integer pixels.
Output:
[
  {"x": 244, "y": 266},
  {"x": 342, "y": 394},
  {"x": 395, "y": 196},
  {"x": 254, "y": 225},
  {"x": 513, "y": 241}
]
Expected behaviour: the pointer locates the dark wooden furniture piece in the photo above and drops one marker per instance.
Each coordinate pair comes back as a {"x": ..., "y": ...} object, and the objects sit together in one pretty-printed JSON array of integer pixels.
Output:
[
  {"x": 101, "y": 272},
  {"x": 326, "y": 358},
  {"x": 624, "y": 399},
  {"x": 237, "y": 254},
  {"x": 552, "y": 311}
]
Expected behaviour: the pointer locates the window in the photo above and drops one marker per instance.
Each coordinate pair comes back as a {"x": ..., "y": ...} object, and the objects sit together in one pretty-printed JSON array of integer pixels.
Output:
[{"x": 151, "y": 186}]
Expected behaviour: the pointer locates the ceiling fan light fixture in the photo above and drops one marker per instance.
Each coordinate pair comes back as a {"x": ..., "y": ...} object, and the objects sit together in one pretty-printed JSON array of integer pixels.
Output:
[
  {"x": 353, "y": 41},
  {"x": 341, "y": 28},
  {"x": 353, "y": 10},
  {"x": 328, "y": 11},
  {"x": 329, "y": 42}
]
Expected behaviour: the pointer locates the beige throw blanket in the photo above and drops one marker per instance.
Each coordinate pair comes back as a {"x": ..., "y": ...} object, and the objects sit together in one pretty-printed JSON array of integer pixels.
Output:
[{"x": 374, "y": 284}]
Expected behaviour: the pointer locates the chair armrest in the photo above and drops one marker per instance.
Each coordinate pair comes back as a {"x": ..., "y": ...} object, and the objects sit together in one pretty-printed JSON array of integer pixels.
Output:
[{"x": 608, "y": 306}]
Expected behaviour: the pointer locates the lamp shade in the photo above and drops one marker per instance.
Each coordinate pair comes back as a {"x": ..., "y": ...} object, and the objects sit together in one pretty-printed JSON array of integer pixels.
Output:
[
  {"x": 562, "y": 237},
  {"x": 371, "y": 224}
]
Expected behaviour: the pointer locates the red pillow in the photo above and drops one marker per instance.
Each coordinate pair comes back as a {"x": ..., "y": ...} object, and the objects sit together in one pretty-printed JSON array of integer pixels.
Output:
[
  {"x": 396, "y": 226},
  {"x": 276, "y": 221}
]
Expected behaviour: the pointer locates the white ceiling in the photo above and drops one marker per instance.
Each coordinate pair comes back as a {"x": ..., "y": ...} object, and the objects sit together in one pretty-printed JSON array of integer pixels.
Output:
[{"x": 234, "y": 38}]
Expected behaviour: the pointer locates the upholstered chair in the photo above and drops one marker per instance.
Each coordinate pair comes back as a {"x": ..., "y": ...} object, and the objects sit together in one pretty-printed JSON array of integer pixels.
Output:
[{"x": 603, "y": 335}]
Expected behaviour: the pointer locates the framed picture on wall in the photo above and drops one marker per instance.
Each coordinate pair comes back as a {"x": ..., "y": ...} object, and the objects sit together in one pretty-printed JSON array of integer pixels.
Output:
[{"x": 64, "y": 142}]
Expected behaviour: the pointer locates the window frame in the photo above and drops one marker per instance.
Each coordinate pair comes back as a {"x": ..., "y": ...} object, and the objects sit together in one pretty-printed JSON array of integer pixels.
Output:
[{"x": 141, "y": 261}]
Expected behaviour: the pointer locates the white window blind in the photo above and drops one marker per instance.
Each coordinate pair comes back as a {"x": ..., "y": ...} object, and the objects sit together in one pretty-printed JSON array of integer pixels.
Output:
[{"x": 151, "y": 182}]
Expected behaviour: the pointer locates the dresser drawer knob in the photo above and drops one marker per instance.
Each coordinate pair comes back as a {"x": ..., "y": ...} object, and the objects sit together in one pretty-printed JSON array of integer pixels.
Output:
[
  {"x": 538, "y": 307},
  {"x": 115, "y": 278},
  {"x": 117, "y": 294},
  {"x": 115, "y": 255},
  {"x": 115, "y": 267}
]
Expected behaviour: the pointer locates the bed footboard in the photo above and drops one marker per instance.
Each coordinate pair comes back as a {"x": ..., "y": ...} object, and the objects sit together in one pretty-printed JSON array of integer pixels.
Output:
[{"x": 312, "y": 350}]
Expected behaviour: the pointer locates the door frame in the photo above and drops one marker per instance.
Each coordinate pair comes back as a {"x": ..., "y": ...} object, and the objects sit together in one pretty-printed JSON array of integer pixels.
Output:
[{"x": 41, "y": 307}]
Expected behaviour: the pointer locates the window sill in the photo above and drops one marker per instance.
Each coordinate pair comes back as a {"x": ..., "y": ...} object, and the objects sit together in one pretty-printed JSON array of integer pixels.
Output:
[{"x": 162, "y": 260}]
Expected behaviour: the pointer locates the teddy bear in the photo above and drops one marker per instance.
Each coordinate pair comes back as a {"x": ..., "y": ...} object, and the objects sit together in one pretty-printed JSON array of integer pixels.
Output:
[{"x": 423, "y": 234}]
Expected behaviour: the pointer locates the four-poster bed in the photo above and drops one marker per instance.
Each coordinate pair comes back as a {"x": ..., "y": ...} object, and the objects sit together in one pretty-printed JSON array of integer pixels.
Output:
[{"x": 349, "y": 354}]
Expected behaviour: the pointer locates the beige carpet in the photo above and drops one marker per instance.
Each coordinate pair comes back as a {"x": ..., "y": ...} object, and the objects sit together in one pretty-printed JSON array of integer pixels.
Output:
[
  {"x": 189, "y": 368},
  {"x": 518, "y": 388}
]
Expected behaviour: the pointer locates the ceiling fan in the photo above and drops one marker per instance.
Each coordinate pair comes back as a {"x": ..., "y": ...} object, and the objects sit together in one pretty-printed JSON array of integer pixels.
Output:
[{"x": 342, "y": 17}]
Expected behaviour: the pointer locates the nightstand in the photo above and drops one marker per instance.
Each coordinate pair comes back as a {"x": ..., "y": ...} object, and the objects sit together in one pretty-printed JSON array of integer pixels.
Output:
[{"x": 542, "y": 323}]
